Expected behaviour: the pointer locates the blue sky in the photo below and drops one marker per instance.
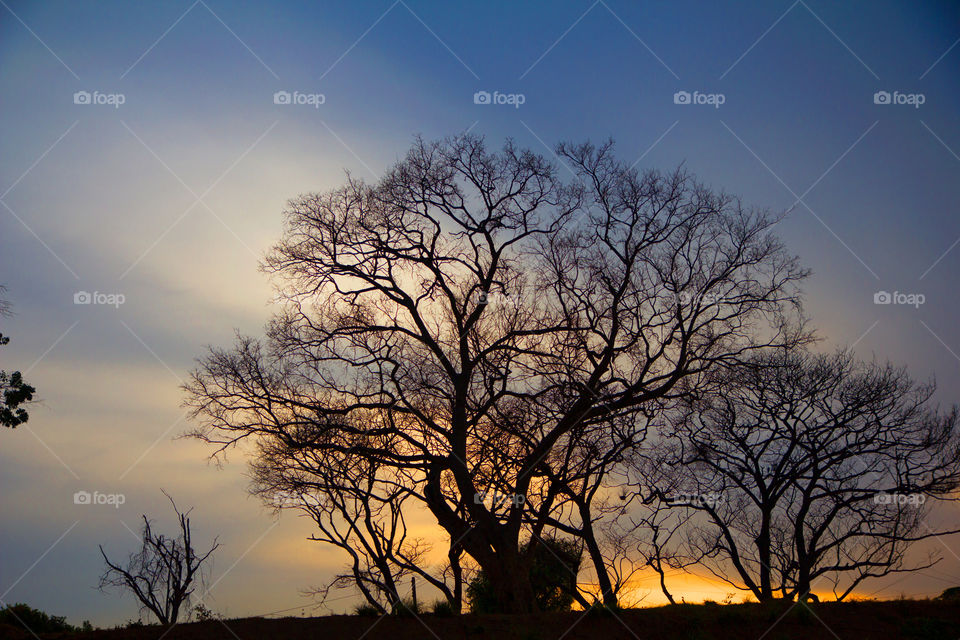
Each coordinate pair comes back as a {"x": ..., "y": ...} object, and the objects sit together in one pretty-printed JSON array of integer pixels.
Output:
[{"x": 171, "y": 197}]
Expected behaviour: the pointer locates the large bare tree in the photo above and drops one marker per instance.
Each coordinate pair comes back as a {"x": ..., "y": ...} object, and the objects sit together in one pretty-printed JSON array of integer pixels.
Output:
[
  {"x": 801, "y": 466},
  {"x": 480, "y": 326}
]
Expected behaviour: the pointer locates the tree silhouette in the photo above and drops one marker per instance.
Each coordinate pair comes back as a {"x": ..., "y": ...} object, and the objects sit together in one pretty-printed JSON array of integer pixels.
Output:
[
  {"x": 482, "y": 327},
  {"x": 15, "y": 391},
  {"x": 801, "y": 466},
  {"x": 164, "y": 573}
]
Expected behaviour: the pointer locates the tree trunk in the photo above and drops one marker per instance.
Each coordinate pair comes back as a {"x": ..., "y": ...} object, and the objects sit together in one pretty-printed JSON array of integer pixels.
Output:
[
  {"x": 495, "y": 547},
  {"x": 603, "y": 579},
  {"x": 763, "y": 554},
  {"x": 457, "y": 571},
  {"x": 803, "y": 583},
  {"x": 510, "y": 580},
  {"x": 658, "y": 567}
]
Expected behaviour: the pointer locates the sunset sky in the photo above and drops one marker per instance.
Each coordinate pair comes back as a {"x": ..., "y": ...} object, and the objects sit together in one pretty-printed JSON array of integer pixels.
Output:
[{"x": 145, "y": 157}]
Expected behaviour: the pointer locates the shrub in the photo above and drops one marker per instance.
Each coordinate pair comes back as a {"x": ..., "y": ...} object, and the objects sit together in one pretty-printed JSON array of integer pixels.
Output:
[
  {"x": 365, "y": 609},
  {"x": 442, "y": 608},
  {"x": 953, "y": 593},
  {"x": 22, "y": 616},
  {"x": 203, "y": 613},
  {"x": 406, "y": 608}
]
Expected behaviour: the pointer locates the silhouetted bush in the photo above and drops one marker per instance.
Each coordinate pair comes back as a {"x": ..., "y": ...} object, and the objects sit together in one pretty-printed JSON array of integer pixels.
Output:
[
  {"x": 365, "y": 610},
  {"x": 203, "y": 613},
  {"x": 953, "y": 593},
  {"x": 23, "y": 616},
  {"x": 442, "y": 608},
  {"x": 406, "y": 608}
]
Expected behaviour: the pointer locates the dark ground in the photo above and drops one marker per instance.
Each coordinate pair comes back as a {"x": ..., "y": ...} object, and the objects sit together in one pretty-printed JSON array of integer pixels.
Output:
[{"x": 926, "y": 619}]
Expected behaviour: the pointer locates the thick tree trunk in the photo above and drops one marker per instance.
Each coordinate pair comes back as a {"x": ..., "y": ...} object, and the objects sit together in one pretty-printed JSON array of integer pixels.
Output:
[
  {"x": 763, "y": 554},
  {"x": 803, "y": 584},
  {"x": 495, "y": 547},
  {"x": 510, "y": 579}
]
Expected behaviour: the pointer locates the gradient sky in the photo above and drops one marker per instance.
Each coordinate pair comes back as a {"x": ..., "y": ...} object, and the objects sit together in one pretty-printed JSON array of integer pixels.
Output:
[{"x": 171, "y": 198}]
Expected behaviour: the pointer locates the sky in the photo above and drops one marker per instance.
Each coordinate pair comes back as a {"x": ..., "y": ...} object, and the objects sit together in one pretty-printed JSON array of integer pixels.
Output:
[{"x": 147, "y": 151}]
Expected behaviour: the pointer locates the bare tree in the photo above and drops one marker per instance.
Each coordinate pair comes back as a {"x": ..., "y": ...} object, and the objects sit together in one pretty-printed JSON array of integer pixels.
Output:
[
  {"x": 471, "y": 316},
  {"x": 163, "y": 574},
  {"x": 803, "y": 466}
]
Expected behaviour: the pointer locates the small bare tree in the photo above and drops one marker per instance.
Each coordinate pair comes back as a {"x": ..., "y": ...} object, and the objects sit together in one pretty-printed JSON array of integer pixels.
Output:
[{"x": 164, "y": 572}]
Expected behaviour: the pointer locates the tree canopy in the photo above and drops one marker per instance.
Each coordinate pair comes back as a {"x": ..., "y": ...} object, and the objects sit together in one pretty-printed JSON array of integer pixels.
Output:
[{"x": 481, "y": 337}]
